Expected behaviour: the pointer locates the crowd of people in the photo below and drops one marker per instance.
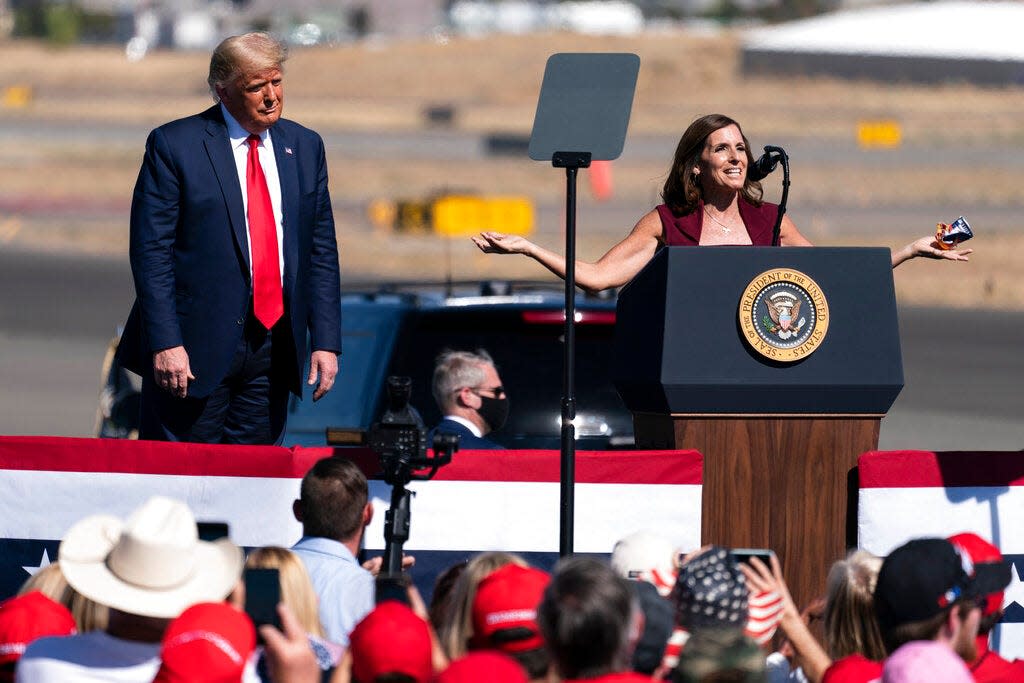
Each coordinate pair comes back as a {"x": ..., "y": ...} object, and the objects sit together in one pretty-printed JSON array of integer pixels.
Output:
[{"x": 145, "y": 599}]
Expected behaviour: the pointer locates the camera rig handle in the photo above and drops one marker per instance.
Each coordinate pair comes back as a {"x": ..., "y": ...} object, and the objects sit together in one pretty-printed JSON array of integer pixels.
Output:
[
  {"x": 399, "y": 470},
  {"x": 399, "y": 440}
]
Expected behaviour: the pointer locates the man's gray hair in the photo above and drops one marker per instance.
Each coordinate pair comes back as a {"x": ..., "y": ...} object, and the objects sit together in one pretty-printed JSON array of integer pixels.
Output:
[
  {"x": 244, "y": 54},
  {"x": 455, "y": 370}
]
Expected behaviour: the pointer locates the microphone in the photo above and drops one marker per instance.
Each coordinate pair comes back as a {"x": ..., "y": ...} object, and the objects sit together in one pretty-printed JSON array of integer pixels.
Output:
[{"x": 766, "y": 163}]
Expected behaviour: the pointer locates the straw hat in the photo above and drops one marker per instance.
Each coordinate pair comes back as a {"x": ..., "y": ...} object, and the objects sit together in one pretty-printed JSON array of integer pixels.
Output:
[{"x": 152, "y": 564}]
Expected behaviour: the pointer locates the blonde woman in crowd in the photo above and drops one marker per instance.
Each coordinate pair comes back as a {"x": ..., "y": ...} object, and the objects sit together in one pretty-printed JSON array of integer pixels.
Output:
[
  {"x": 850, "y": 624},
  {"x": 89, "y": 615},
  {"x": 456, "y": 633},
  {"x": 851, "y": 630},
  {"x": 298, "y": 594}
]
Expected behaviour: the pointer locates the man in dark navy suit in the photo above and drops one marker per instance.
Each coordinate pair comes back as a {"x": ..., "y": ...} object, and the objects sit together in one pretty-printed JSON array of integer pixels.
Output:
[
  {"x": 468, "y": 391},
  {"x": 234, "y": 256}
]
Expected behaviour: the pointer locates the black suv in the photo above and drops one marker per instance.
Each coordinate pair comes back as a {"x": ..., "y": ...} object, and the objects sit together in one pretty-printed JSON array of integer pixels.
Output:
[{"x": 399, "y": 329}]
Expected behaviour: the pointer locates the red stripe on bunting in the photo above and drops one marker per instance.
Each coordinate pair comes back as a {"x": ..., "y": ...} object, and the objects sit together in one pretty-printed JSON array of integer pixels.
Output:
[
  {"x": 919, "y": 469},
  {"x": 66, "y": 454},
  {"x": 147, "y": 457},
  {"x": 592, "y": 467}
]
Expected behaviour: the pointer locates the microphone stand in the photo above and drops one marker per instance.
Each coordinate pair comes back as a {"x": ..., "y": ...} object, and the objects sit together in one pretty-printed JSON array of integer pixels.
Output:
[{"x": 784, "y": 158}]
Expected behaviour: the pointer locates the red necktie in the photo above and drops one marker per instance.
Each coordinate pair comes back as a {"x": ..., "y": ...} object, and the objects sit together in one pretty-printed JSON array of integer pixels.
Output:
[{"x": 267, "y": 301}]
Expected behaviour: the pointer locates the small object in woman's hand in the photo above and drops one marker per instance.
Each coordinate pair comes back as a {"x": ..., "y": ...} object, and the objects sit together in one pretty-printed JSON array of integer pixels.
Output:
[{"x": 950, "y": 236}]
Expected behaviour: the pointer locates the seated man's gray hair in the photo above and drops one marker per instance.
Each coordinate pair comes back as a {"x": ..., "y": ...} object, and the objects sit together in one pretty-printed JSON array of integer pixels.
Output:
[{"x": 455, "y": 370}]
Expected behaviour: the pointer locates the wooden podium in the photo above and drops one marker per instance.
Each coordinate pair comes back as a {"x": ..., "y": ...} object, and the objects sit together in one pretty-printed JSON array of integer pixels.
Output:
[{"x": 780, "y": 428}]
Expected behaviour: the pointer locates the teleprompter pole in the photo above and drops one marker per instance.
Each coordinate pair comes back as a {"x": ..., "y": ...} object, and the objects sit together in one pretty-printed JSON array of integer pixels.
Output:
[
  {"x": 583, "y": 107},
  {"x": 572, "y": 162}
]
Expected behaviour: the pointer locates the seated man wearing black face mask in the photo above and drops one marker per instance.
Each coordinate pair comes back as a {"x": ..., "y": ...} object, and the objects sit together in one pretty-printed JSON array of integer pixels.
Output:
[{"x": 468, "y": 391}]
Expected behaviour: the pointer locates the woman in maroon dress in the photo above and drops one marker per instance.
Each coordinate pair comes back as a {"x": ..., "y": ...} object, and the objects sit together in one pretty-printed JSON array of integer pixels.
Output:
[{"x": 709, "y": 200}]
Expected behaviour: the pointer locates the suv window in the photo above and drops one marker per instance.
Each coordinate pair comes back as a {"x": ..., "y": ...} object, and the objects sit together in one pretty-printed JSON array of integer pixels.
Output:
[
  {"x": 527, "y": 347},
  {"x": 401, "y": 330},
  {"x": 369, "y": 328}
]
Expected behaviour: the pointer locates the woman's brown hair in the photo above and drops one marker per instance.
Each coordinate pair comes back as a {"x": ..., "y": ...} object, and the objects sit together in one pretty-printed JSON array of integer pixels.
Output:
[
  {"x": 850, "y": 623},
  {"x": 682, "y": 191}
]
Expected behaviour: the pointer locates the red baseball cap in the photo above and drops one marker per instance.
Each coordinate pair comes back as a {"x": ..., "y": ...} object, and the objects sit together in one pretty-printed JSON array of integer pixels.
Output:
[
  {"x": 208, "y": 643},
  {"x": 855, "y": 668},
  {"x": 484, "y": 665},
  {"x": 391, "y": 639},
  {"x": 991, "y": 570},
  {"x": 505, "y": 609},
  {"x": 27, "y": 617}
]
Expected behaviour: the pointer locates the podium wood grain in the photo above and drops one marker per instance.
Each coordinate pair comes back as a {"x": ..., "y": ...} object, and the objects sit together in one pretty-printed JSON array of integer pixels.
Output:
[{"x": 785, "y": 482}]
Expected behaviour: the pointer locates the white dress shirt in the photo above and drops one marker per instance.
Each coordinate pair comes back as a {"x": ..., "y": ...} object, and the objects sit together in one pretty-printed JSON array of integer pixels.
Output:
[
  {"x": 240, "y": 148},
  {"x": 467, "y": 424}
]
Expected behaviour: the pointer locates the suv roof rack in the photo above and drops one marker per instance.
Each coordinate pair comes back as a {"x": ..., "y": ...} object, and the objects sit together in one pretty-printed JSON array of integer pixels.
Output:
[{"x": 480, "y": 287}]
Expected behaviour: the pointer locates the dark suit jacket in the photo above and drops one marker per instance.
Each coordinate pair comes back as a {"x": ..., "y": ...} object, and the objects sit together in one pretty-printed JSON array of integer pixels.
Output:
[
  {"x": 189, "y": 251},
  {"x": 468, "y": 441}
]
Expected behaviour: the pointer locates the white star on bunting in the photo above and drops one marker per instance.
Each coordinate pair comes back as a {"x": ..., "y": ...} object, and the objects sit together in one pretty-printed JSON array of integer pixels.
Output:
[
  {"x": 1015, "y": 591},
  {"x": 43, "y": 563}
]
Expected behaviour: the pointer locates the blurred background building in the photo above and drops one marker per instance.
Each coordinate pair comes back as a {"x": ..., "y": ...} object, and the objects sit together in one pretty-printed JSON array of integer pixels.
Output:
[
  {"x": 191, "y": 24},
  {"x": 948, "y": 40}
]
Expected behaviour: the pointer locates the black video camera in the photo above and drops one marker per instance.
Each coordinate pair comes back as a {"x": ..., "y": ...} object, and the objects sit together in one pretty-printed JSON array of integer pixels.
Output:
[
  {"x": 400, "y": 442},
  {"x": 400, "y": 438}
]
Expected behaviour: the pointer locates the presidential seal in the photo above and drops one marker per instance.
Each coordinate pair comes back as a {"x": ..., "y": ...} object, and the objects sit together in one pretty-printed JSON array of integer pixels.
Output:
[{"x": 783, "y": 315}]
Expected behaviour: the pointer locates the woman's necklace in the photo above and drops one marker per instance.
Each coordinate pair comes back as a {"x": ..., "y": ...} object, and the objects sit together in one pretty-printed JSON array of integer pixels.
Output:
[{"x": 725, "y": 228}]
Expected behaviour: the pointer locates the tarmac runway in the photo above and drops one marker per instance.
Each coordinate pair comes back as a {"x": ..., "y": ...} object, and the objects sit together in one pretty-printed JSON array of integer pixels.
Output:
[{"x": 963, "y": 369}]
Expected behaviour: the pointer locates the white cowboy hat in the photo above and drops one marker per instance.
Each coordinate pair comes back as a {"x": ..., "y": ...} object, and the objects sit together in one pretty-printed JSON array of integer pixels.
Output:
[
  {"x": 152, "y": 564},
  {"x": 647, "y": 556}
]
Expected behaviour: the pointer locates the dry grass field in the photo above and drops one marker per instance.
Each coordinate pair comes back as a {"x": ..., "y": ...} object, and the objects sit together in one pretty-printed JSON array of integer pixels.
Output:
[{"x": 492, "y": 84}]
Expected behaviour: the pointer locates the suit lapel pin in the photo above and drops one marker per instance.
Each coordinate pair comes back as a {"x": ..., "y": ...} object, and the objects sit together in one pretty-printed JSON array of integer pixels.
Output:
[{"x": 287, "y": 150}]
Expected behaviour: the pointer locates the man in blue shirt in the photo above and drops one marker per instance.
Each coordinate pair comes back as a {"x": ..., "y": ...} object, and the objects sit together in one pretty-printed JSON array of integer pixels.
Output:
[{"x": 334, "y": 510}]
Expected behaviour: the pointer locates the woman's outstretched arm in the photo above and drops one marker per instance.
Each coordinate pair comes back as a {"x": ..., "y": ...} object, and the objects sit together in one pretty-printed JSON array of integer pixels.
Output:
[
  {"x": 926, "y": 246},
  {"x": 929, "y": 248},
  {"x": 614, "y": 269}
]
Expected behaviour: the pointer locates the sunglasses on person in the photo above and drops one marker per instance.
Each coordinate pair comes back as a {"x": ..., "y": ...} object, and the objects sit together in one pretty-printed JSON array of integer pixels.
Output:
[{"x": 496, "y": 392}]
